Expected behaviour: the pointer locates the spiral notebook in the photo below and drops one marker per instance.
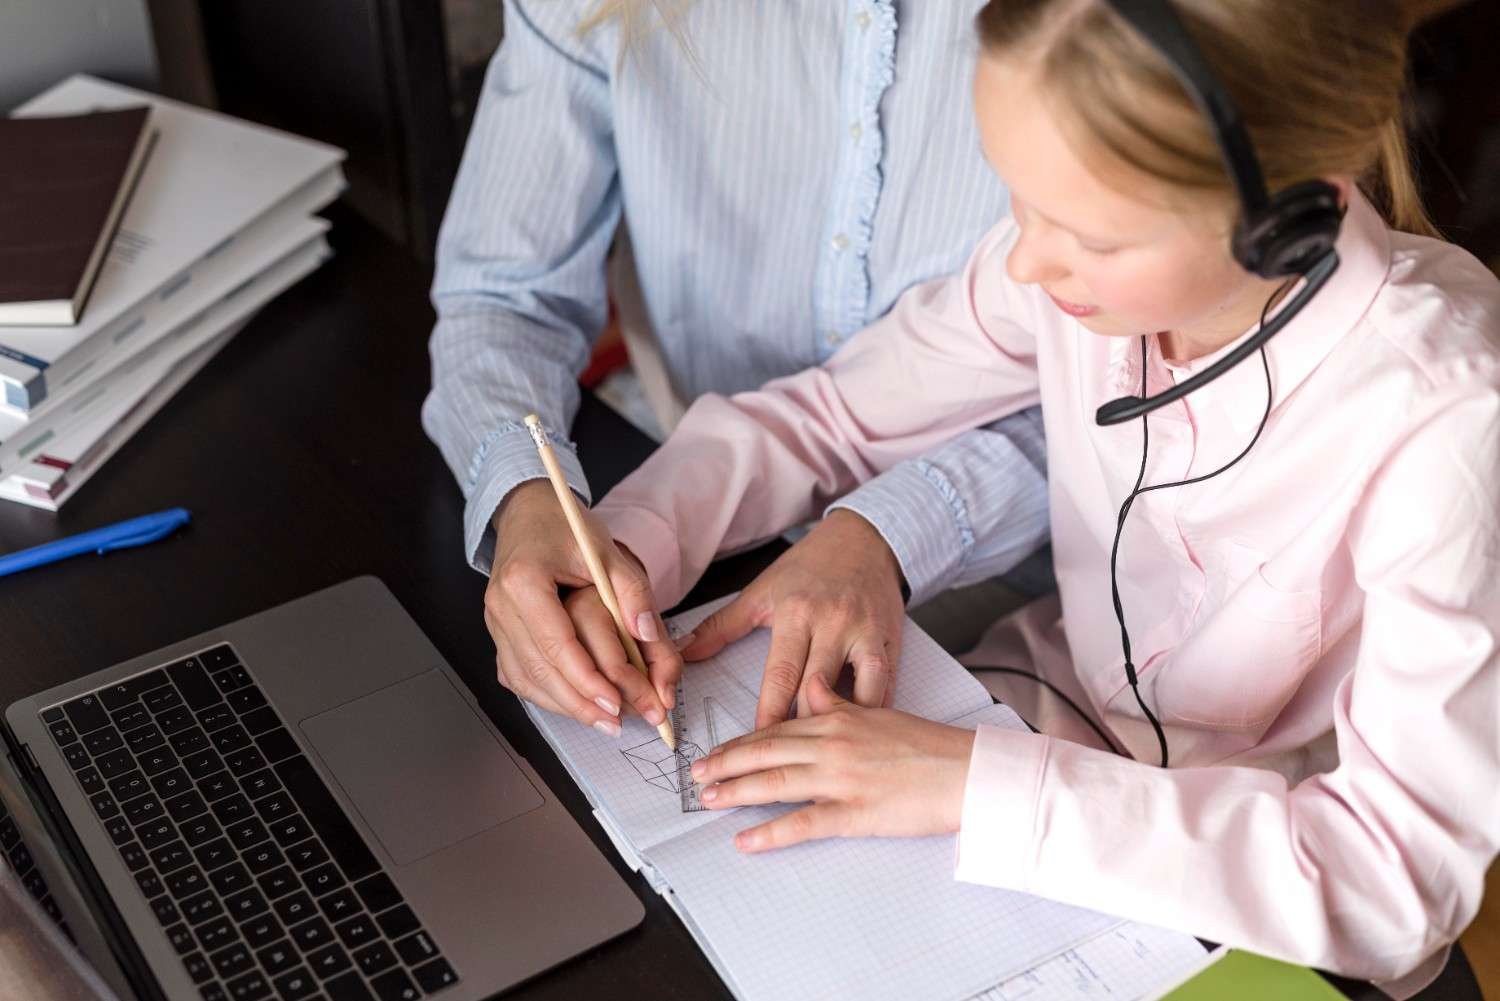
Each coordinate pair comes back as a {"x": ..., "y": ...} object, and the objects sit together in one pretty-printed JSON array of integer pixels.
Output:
[{"x": 866, "y": 918}]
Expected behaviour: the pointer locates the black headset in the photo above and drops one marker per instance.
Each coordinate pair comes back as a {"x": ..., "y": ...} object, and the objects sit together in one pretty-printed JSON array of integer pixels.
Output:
[{"x": 1290, "y": 234}]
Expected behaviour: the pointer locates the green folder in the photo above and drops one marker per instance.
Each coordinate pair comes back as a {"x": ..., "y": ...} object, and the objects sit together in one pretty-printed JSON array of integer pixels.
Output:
[{"x": 1244, "y": 976}]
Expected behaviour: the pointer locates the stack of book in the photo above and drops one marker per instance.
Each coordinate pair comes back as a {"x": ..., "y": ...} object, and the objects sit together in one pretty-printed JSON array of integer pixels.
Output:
[{"x": 217, "y": 220}]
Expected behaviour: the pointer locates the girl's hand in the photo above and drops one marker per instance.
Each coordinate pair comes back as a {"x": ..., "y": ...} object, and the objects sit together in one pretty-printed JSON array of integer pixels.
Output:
[{"x": 867, "y": 772}]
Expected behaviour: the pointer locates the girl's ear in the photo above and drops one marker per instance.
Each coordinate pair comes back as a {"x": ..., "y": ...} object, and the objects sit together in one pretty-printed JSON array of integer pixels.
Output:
[{"x": 1345, "y": 186}]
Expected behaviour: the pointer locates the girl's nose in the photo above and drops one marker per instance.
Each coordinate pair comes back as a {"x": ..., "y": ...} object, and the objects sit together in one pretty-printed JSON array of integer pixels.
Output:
[{"x": 1034, "y": 259}]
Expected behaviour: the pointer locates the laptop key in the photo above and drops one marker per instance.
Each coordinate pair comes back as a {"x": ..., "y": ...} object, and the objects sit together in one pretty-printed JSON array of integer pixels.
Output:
[
  {"x": 279, "y": 882},
  {"x": 435, "y": 976},
  {"x": 277, "y": 745},
  {"x": 278, "y": 958},
  {"x": 261, "y": 783},
  {"x": 186, "y": 882},
  {"x": 190, "y": 741},
  {"x": 306, "y": 855},
  {"x": 142, "y": 809},
  {"x": 125, "y": 692},
  {"x": 197, "y": 967},
  {"x": 118, "y": 829},
  {"x": 262, "y": 930},
  {"x": 214, "y": 854},
  {"x": 52, "y": 715},
  {"x": 216, "y": 934},
  {"x": 201, "y": 907},
  {"x": 417, "y": 949},
  {"x": 327, "y": 818},
  {"x": 86, "y": 714},
  {"x": 200, "y": 830},
  {"x": 76, "y": 757},
  {"x": 159, "y": 700},
  {"x": 296, "y": 985},
  {"x": 10, "y": 835},
  {"x": 233, "y": 960},
  {"x": 263, "y": 858},
  {"x": 157, "y": 760},
  {"x": 296, "y": 908},
  {"x": 260, "y": 720},
  {"x": 150, "y": 884},
  {"x": 245, "y": 760},
  {"x": 395, "y": 986},
  {"x": 313, "y": 934},
  {"x": 170, "y": 783},
  {"x": 250, "y": 987},
  {"x": 230, "y": 739},
  {"x": 63, "y": 732},
  {"x": 398, "y": 921},
  {"x": 246, "y": 833},
  {"x": 323, "y": 879},
  {"x": 274, "y": 807},
  {"x": 348, "y": 987},
  {"x": 130, "y": 717},
  {"x": 292, "y": 831},
  {"x": 231, "y": 879},
  {"x": 103, "y": 740},
  {"x": 170, "y": 858},
  {"x": 214, "y": 992},
  {"x": 329, "y": 961},
  {"x": 176, "y": 719},
  {"x": 373, "y": 958},
  {"x": 144, "y": 738},
  {"x": 196, "y": 688},
  {"x": 202, "y": 764},
  {"x": 246, "y": 700},
  {"x": 129, "y": 786},
  {"x": 134, "y": 856},
  {"x": 181, "y": 939},
  {"x": 104, "y": 805},
  {"x": 233, "y": 808},
  {"x": 217, "y": 786},
  {"x": 358, "y": 931},
  {"x": 246, "y": 904},
  {"x": 90, "y": 780},
  {"x": 216, "y": 717},
  {"x": 231, "y": 679},
  {"x": 338, "y": 906},
  {"x": 378, "y": 892},
  {"x": 20, "y": 858},
  {"x": 156, "y": 834},
  {"x": 220, "y": 656},
  {"x": 115, "y": 763},
  {"x": 165, "y": 910},
  {"x": 185, "y": 806}
]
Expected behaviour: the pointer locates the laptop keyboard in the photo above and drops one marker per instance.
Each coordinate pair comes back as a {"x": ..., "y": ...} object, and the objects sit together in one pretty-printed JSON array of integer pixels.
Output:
[
  {"x": 14, "y": 849},
  {"x": 263, "y": 886}
]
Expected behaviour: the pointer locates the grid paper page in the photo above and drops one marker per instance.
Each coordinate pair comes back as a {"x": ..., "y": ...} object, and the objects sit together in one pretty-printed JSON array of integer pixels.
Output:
[
  {"x": 634, "y": 779},
  {"x": 1127, "y": 962},
  {"x": 875, "y": 918}
]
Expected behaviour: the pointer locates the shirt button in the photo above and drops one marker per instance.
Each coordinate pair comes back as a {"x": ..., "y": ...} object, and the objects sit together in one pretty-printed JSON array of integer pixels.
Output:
[
  {"x": 863, "y": 19},
  {"x": 855, "y": 131},
  {"x": 840, "y": 242}
]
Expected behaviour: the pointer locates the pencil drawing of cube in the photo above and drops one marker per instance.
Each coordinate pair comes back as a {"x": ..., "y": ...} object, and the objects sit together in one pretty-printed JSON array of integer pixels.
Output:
[{"x": 657, "y": 764}]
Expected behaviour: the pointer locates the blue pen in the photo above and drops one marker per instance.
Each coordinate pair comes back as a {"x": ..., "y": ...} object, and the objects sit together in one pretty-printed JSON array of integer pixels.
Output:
[{"x": 135, "y": 532}]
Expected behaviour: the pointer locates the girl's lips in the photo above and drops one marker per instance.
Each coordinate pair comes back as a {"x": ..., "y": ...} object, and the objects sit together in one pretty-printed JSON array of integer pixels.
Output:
[{"x": 1072, "y": 308}]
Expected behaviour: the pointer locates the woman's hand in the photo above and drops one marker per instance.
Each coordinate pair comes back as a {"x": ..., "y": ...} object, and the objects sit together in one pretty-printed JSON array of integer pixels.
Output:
[
  {"x": 834, "y": 598},
  {"x": 569, "y": 660},
  {"x": 867, "y": 772}
]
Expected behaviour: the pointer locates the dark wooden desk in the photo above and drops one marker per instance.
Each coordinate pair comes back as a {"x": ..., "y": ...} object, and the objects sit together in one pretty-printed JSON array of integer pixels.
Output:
[{"x": 301, "y": 455}]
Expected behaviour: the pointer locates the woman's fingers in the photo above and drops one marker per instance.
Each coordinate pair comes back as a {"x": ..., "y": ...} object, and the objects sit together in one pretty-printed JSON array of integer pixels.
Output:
[
  {"x": 780, "y": 784},
  {"x": 597, "y": 633},
  {"x": 730, "y": 623},
  {"x": 825, "y": 661},
  {"x": 821, "y": 820},
  {"x": 754, "y": 756},
  {"x": 791, "y": 638}
]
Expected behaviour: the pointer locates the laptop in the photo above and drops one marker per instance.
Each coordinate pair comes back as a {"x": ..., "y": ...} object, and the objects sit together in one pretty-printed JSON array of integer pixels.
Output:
[{"x": 308, "y": 803}]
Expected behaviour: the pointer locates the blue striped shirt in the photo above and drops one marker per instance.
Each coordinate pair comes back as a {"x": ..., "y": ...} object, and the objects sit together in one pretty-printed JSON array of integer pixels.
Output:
[{"x": 782, "y": 185}]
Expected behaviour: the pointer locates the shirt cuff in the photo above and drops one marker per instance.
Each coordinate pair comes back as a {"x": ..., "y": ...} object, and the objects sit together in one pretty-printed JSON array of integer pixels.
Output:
[
  {"x": 504, "y": 460},
  {"x": 921, "y": 516},
  {"x": 646, "y": 534},
  {"x": 997, "y": 832}
]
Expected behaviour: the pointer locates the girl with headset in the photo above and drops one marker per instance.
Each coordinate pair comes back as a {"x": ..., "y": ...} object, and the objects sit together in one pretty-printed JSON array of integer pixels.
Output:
[{"x": 1290, "y": 562}]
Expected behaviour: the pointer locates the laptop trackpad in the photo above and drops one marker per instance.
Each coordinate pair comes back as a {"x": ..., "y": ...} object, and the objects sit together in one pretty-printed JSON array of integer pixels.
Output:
[{"x": 420, "y": 767}]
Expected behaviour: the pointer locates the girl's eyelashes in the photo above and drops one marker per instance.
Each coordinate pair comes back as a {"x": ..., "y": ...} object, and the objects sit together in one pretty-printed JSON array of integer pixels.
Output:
[{"x": 1098, "y": 250}]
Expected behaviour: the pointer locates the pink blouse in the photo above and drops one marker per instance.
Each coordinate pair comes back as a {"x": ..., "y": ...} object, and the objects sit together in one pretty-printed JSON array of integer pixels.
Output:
[{"x": 1315, "y": 628}]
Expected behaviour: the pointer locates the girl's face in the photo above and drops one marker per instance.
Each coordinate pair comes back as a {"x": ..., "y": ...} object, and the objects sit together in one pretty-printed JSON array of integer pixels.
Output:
[{"x": 1123, "y": 265}]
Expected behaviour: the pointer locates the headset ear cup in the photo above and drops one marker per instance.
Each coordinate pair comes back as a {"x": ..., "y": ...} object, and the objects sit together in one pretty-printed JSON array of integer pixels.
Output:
[{"x": 1297, "y": 227}]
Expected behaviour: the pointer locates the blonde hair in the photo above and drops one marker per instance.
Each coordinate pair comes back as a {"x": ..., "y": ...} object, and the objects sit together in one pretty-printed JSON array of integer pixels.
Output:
[
  {"x": 1319, "y": 84},
  {"x": 638, "y": 18}
]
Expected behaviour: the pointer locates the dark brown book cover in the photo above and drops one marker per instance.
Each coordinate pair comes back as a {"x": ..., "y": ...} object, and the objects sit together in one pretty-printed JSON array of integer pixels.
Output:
[{"x": 63, "y": 182}]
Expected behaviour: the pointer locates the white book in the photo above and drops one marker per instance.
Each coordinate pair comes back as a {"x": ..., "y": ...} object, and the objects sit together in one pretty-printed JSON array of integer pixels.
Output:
[
  {"x": 266, "y": 242},
  {"x": 63, "y": 464},
  {"x": 208, "y": 177},
  {"x": 845, "y": 918}
]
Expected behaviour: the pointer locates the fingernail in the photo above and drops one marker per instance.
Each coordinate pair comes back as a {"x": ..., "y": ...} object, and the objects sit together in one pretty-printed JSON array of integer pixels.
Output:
[
  {"x": 745, "y": 840},
  {"x": 607, "y": 706},
  {"x": 608, "y": 727},
  {"x": 655, "y": 716},
  {"x": 710, "y": 794},
  {"x": 683, "y": 642},
  {"x": 699, "y": 768},
  {"x": 646, "y": 626}
]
